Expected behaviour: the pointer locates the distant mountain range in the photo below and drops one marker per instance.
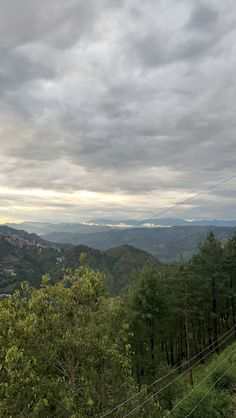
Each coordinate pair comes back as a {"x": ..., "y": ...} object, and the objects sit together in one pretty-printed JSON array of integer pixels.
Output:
[
  {"x": 47, "y": 228},
  {"x": 165, "y": 238},
  {"x": 163, "y": 222},
  {"x": 165, "y": 244},
  {"x": 101, "y": 225}
]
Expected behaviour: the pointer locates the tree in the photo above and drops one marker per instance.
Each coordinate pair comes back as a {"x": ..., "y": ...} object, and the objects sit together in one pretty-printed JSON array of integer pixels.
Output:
[
  {"x": 229, "y": 270},
  {"x": 64, "y": 350},
  {"x": 208, "y": 284},
  {"x": 146, "y": 306}
]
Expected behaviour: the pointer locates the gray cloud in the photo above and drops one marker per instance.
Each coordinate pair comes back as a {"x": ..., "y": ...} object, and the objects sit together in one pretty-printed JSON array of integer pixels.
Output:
[
  {"x": 16, "y": 70},
  {"x": 203, "y": 17},
  {"x": 117, "y": 97},
  {"x": 58, "y": 23}
]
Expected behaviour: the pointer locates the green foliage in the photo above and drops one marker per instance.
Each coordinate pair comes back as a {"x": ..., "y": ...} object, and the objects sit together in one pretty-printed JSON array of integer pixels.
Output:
[
  {"x": 69, "y": 349},
  {"x": 61, "y": 351}
]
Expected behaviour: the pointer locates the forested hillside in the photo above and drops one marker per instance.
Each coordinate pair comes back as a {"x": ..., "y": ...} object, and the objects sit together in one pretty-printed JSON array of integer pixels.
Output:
[
  {"x": 31, "y": 237},
  {"x": 69, "y": 350},
  {"x": 119, "y": 264},
  {"x": 27, "y": 257}
]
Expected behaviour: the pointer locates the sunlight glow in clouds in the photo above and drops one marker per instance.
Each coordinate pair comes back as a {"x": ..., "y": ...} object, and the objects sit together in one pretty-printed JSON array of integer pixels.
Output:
[
  {"x": 31, "y": 204},
  {"x": 81, "y": 196}
]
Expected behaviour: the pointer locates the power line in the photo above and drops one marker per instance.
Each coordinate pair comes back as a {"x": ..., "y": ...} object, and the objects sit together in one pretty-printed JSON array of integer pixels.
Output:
[
  {"x": 207, "y": 393},
  {"x": 202, "y": 192},
  {"x": 177, "y": 378},
  {"x": 173, "y": 371},
  {"x": 199, "y": 384}
]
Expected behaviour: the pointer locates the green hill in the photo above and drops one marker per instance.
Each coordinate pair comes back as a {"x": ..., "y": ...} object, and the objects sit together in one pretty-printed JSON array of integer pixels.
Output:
[
  {"x": 119, "y": 263},
  {"x": 25, "y": 256}
]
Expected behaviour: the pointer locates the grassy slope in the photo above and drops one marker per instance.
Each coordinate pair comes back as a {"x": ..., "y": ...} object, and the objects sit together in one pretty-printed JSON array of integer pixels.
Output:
[
  {"x": 220, "y": 362},
  {"x": 201, "y": 370}
]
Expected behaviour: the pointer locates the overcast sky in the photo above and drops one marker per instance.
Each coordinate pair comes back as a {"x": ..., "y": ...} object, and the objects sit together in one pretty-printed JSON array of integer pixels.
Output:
[{"x": 116, "y": 108}]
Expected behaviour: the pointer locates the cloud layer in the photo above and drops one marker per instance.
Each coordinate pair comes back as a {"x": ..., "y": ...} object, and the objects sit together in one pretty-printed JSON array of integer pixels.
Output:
[{"x": 130, "y": 99}]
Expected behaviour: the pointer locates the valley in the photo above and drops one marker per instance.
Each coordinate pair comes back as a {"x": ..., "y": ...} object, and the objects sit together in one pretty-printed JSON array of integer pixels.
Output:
[
  {"x": 166, "y": 243},
  {"x": 27, "y": 257}
]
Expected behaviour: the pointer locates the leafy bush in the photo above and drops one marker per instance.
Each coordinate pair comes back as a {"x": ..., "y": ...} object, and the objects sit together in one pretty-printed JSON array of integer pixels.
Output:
[{"x": 63, "y": 350}]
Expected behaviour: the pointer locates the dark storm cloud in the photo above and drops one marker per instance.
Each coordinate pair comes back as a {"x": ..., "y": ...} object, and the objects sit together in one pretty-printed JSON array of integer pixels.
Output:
[{"x": 111, "y": 96}]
